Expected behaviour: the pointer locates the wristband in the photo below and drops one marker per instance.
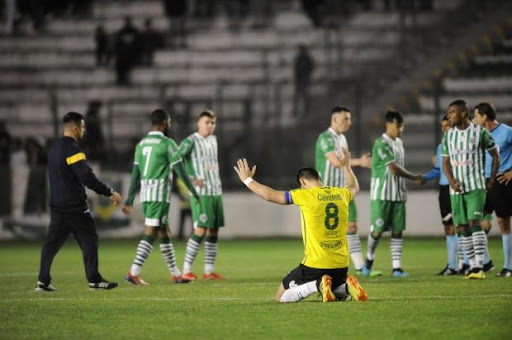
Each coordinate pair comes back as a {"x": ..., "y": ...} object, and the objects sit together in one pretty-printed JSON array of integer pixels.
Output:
[{"x": 248, "y": 180}]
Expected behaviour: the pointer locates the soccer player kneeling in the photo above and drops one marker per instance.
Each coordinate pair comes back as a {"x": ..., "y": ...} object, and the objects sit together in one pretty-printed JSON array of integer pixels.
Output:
[{"x": 324, "y": 212}]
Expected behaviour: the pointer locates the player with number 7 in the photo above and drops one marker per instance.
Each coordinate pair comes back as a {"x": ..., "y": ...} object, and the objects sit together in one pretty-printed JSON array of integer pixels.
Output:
[{"x": 156, "y": 156}]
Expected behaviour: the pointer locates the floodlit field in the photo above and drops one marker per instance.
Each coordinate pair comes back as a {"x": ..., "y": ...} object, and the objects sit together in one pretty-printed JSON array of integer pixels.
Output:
[{"x": 243, "y": 307}]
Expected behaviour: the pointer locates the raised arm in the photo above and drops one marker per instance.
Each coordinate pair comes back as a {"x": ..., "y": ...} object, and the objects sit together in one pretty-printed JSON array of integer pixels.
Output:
[
  {"x": 352, "y": 183},
  {"x": 246, "y": 174}
]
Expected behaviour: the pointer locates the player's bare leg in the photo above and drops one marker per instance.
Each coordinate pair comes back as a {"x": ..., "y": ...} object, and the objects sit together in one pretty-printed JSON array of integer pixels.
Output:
[{"x": 506, "y": 236}]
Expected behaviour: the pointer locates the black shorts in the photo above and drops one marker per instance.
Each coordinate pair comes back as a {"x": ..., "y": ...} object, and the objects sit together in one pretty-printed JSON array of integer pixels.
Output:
[
  {"x": 499, "y": 200},
  {"x": 303, "y": 274},
  {"x": 445, "y": 205}
]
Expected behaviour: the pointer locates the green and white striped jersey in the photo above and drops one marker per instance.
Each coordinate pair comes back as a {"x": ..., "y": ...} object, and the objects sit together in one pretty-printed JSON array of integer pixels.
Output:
[
  {"x": 201, "y": 159},
  {"x": 329, "y": 141},
  {"x": 466, "y": 149},
  {"x": 155, "y": 155},
  {"x": 386, "y": 186}
]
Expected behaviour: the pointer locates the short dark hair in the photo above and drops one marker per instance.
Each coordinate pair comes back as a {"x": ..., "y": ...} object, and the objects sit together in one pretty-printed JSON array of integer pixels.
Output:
[
  {"x": 392, "y": 115},
  {"x": 307, "y": 173},
  {"x": 487, "y": 109},
  {"x": 72, "y": 118},
  {"x": 207, "y": 113},
  {"x": 337, "y": 109},
  {"x": 158, "y": 116},
  {"x": 461, "y": 105}
]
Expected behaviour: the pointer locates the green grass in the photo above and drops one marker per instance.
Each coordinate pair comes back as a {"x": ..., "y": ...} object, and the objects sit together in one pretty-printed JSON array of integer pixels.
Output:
[{"x": 422, "y": 306}]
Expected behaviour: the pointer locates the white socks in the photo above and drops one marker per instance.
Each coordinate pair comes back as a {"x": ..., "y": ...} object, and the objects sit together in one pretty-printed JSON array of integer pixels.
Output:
[{"x": 294, "y": 294}]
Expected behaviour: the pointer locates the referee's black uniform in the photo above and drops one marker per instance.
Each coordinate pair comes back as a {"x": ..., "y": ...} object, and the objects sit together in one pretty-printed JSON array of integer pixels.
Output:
[{"x": 69, "y": 172}]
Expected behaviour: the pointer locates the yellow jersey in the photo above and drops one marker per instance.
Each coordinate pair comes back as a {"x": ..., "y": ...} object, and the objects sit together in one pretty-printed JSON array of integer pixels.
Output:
[{"x": 324, "y": 217}]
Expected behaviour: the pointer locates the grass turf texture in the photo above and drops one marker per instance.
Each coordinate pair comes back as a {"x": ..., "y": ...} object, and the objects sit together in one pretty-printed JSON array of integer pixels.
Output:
[{"x": 243, "y": 306}]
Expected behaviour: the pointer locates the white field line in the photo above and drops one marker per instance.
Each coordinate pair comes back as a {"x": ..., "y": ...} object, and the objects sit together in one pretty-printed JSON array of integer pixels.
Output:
[
  {"x": 158, "y": 299},
  {"x": 137, "y": 299},
  {"x": 34, "y": 274}
]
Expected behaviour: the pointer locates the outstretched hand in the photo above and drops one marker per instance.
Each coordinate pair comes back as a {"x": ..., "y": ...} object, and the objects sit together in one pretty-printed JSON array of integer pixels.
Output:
[
  {"x": 366, "y": 160},
  {"x": 243, "y": 170},
  {"x": 345, "y": 157},
  {"x": 115, "y": 198},
  {"x": 127, "y": 209},
  {"x": 420, "y": 181}
]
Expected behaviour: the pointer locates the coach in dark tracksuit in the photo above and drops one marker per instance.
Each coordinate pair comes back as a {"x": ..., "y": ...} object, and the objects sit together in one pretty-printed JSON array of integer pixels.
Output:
[{"x": 69, "y": 172}]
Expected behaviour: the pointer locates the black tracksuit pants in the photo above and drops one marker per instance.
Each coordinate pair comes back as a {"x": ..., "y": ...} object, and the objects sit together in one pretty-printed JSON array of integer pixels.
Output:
[{"x": 82, "y": 226}]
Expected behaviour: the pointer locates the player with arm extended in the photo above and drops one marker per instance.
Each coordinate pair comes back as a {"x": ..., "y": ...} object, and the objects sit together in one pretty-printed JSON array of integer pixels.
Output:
[
  {"x": 156, "y": 157},
  {"x": 452, "y": 267},
  {"x": 327, "y": 154},
  {"x": 69, "y": 173},
  {"x": 388, "y": 193},
  {"x": 200, "y": 155},
  {"x": 324, "y": 217},
  {"x": 499, "y": 197},
  {"x": 464, "y": 147}
]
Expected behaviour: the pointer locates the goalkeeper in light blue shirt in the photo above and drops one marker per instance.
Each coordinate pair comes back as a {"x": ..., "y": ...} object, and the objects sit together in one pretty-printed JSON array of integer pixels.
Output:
[{"x": 499, "y": 197}]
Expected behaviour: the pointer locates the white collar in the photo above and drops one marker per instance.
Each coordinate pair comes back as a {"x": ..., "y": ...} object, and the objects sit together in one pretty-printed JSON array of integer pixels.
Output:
[
  {"x": 334, "y": 132},
  {"x": 199, "y": 136},
  {"x": 470, "y": 126},
  {"x": 156, "y": 133},
  {"x": 385, "y": 136}
]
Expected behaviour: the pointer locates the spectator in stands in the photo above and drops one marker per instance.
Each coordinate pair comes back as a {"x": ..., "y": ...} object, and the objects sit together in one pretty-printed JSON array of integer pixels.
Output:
[
  {"x": 237, "y": 11},
  {"x": 102, "y": 46},
  {"x": 9, "y": 8},
  {"x": 5, "y": 144},
  {"x": 93, "y": 142},
  {"x": 126, "y": 51},
  {"x": 81, "y": 8},
  {"x": 176, "y": 12},
  {"x": 149, "y": 41},
  {"x": 35, "y": 9},
  {"x": 35, "y": 197},
  {"x": 312, "y": 10},
  {"x": 262, "y": 12},
  {"x": 18, "y": 154},
  {"x": 425, "y": 5},
  {"x": 5, "y": 170},
  {"x": 204, "y": 8},
  {"x": 303, "y": 69}
]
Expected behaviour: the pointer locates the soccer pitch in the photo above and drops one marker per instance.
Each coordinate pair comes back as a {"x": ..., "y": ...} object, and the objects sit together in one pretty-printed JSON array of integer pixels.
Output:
[{"x": 422, "y": 306}]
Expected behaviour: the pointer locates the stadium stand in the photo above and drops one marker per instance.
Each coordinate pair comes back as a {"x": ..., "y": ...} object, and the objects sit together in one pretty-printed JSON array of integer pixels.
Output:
[
  {"x": 247, "y": 74},
  {"x": 481, "y": 73}
]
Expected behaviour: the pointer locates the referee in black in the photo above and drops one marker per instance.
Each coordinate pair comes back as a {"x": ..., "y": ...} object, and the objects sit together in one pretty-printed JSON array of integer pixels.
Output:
[{"x": 69, "y": 172}]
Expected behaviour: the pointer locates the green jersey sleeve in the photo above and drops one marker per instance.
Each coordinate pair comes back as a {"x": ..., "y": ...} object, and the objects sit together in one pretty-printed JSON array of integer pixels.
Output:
[
  {"x": 134, "y": 185},
  {"x": 186, "y": 147},
  {"x": 173, "y": 153},
  {"x": 488, "y": 140},
  {"x": 384, "y": 152},
  {"x": 444, "y": 143},
  {"x": 326, "y": 143}
]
